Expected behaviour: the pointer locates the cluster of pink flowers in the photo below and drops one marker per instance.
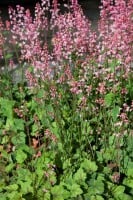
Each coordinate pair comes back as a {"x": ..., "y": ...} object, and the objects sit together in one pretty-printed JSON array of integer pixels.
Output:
[
  {"x": 73, "y": 35},
  {"x": 70, "y": 35},
  {"x": 26, "y": 34},
  {"x": 116, "y": 32},
  {"x": 55, "y": 37}
]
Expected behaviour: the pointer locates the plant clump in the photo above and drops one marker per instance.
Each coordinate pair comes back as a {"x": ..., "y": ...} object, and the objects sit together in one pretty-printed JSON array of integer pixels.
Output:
[{"x": 66, "y": 120}]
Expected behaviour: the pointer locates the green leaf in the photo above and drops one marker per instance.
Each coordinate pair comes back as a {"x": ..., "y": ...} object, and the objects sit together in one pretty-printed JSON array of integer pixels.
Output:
[
  {"x": 118, "y": 191},
  {"x": 109, "y": 153},
  {"x": 39, "y": 176},
  {"x": 59, "y": 193},
  {"x": 107, "y": 170},
  {"x": 18, "y": 138},
  {"x": 46, "y": 195},
  {"x": 32, "y": 105},
  {"x": 24, "y": 175},
  {"x": 126, "y": 197},
  {"x": 25, "y": 187},
  {"x": 130, "y": 172},
  {"x": 9, "y": 123},
  {"x": 8, "y": 56},
  {"x": 6, "y": 107},
  {"x": 12, "y": 187},
  {"x": 20, "y": 156},
  {"x": 66, "y": 163},
  {"x": 130, "y": 144},
  {"x": 115, "y": 112},
  {"x": 96, "y": 197},
  {"x": 5, "y": 139},
  {"x": 89, "y": 166},
  {"x": 109, "y": 98},
  {"x": 19, "y": 124},
  {"x": 40, "y": 93},
  {"x": 96, "y": 187},
  {"x": 114, "y": 63},
  {"x": 3, "y": 196},
  {"x": 35, "y": 129},
  {"x": 25, "y": 148},
  {"x": 9, "y": 167},
  {"x": 15, "y": 195},
  {"x": 53, "y": 178},
  {"x": 75, "y": 190},
  {"x": 80, "y": 176},
  {"x": 128, "y": 182},
  {"x": 54, "y": 128},
  {"x": 112, "y": 139}
]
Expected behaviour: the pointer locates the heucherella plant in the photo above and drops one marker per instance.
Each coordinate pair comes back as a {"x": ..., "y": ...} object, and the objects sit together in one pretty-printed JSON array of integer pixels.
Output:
[{"x": 66, "y": 129}]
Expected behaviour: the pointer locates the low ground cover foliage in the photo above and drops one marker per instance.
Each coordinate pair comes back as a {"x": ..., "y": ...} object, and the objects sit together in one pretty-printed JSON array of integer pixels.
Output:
[{"x": 66, "y": 128}]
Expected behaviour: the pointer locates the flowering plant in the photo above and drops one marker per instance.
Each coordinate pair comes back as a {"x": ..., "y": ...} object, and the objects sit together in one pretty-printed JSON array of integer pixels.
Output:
[{"x": 66, "y": 126}]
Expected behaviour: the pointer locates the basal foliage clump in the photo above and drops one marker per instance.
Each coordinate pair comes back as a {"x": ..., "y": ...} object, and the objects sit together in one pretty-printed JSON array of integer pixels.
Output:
[{"x": 66, "y": 121}]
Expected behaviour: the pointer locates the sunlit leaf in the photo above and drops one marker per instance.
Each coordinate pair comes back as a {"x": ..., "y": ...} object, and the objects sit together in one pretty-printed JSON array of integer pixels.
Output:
[
  {"x": 89, "y": 166},
  {"x": 20, "y": 156}
]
